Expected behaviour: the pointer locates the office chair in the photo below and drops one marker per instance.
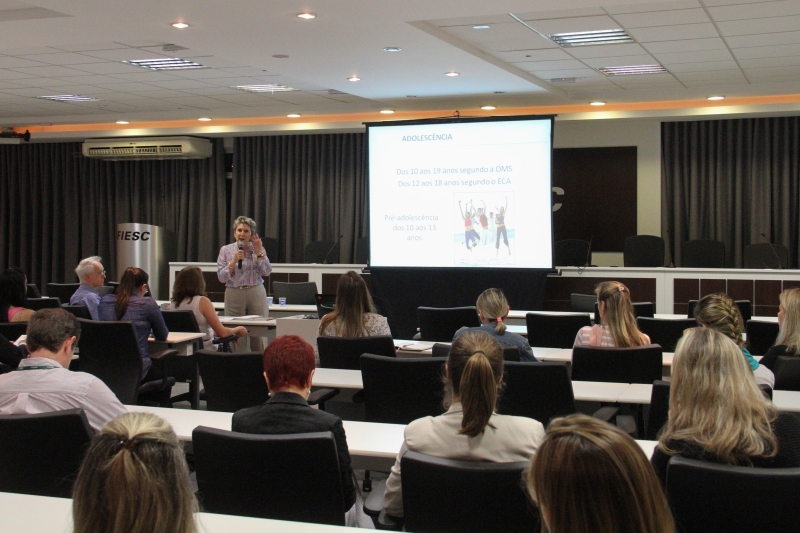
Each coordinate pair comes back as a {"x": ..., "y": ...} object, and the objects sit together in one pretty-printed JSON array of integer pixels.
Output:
[
  {"x": 541, "y": 391},
  {"x": 283, "y": 477},
  {"x": 659, "y": 409},
  {"x": 33, "y": 291},
  {"x": 326, "y": 303},
  {"x": 362, "y": 251},
  {"x": 663, "y": 331},
  {"x": 43, "y": 303},
  {"x": 41, "y": 454},
  {"x": 787, "y": 373},
  {"x": 303, "y": 293},
  {"x": 510, "y": 353},
  {"x": 324, "y": 252},
  {"x": 643, "y": 251},
  {"x": 345, "y": 352},
  {"x": 640, "y": 364},
  {"x": 766, "y": 255},
  {"x": 582, "y": 303},
  {"x": 572, "y": 252},
  {"x": 761, "y": 336},
  {"x": 439, "y": 324},
  {"x": 13, "y": 330},
  {"x": 79, "y": 311},
  {"x": 704, "y": 253},
  {"x": 706, "y": 497},
  {"x": 62, "y": 291},
  {"x": 554, "y": 331}
]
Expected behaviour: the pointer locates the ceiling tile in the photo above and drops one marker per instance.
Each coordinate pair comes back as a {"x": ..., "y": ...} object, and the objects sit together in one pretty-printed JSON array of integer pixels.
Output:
[
  {"x": 607, "y": 50},
  {"x": 126, "y": 86},
  {"x": 48, "y": 71},
  {"x": 501, "y": 37},
  {"x": 794, "y": 79},
  {"x": 654, "y": 6},
  {"x": 753, "y": 11},
  {"x": 106, "y": 67},
  {"x": 211, "y": 91},
  {"x": 764, "y": 39},
  {"x": 243, "y": 71},
  {"x": 551, "y": 26},
  {"x": 662, "y": 18},
  {"x": 62, "y": 58},
  {"x": 710, "y": 75},
  {"x": 180, "y": 84},
  {"x": 11, "y": 74},
  {"x": 548, "y": 54},
  {"x": 764, "y": 72},
  {"x": 566, "y": 73},
  {"x": 694, "y": 57},
  {"x": 124, "y": 54},
  {"x": 144, "y": 75},
  {"x": 767, "y": 51},
  {"x": 600, "y": 62},
  {"x": 473, "y": 21},
  {"x": 550, "y": 65},
  {"x": 786, "y": 61},
  {"x": 701, "y": 67},
  {"x": 689, "y": 45},
  {"x": 18, "y": 62},
  {"x": 30, "y": 91},
  {"x": 87, "y": 79},
  {"x": 716, "y": 3},
  {"x": 89, "y": 47},
  {"x": 674, "y": 33},
  {"x": 762, "y": 25},
  {"x": 42, "y": 82}
]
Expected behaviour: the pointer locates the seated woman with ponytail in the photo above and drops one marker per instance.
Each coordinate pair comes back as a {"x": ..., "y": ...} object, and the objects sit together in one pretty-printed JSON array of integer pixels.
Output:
[
  {"x": 470, "y": 430},
  {"x": 618, "y": 328},
  {"x": 492, "y": 310}
]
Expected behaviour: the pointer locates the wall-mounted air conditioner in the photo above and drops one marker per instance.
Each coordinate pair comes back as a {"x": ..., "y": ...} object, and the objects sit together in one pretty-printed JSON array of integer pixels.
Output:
[{"x": 132, "y": 148}]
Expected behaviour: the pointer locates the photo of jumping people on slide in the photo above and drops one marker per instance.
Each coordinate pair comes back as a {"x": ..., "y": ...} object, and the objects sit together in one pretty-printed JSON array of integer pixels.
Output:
[{"x": 484, "y": 229}]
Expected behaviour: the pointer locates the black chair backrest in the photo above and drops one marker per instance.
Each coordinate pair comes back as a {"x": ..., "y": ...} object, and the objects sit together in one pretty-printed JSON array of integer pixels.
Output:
[
  {"x": 664, "y": 331},
  {"x": 345, "y": 352},
  {"x": 326, "y": 303},
  {"x": 111, "y": 288},
  {"x": 271, "y": 248},
  {"x": 110, "y": 352},
  {"x": 643, "y": 251},
  {"x": 703, "y": 497},
  {"x": 745, "y": 308},
  {"x": 41, "y": 454},
  {"x": 644, "y": 309},
  {"x": 761, "y": 336},
  {"x": 583, "y": 303},
  {"x": 362, "y": 251},
  {"x": 303, "y": 293},
  {"x": 33, "y": 291},
  {"x": 397, "y": 391},
  {"x": 321, "y": 252},
  {"x": 542, "y": 391},
  {"x": 704, "y": 253},
  {"x": 283, "y": 477},
  {"x": 787, "y": 373},
  {"x": 571, "y": 252},
  {"x": 467, "y": 496},
  {"x": 13, "y": 330},
  {"x": 80, "y": 311},
  {"x": 766, "y": 255},
  {"x": 439, "y": 324},
  {"x": 43, "y": 303},
  {"x": 659, "y": 409},
  {"x": 554, "y": 331},
  {"x": 510, "y": 353},
  {"x": 62, "y": 291},
  {"x": 232, "y": 381},
  {"x": 181, "y": 320},
  {"x": 440, "y": 349},
  {"x": 641, "y": 364}
]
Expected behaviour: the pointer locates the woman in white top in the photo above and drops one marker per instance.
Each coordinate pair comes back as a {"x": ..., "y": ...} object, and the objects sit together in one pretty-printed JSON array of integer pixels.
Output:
[
  {"x": 354, "y": 315},
  {"x": 618, "y": 328},
  {"x": 189, "y": 294},
  {"x": 470, "y": 429}
]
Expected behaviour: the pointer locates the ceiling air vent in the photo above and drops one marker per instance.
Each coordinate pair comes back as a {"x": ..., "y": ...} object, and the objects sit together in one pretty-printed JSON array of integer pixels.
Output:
[
  {"x": 562, "y": 80},
  {"x": 588, "y": 38},
  {"x": 148, "y": 148}
]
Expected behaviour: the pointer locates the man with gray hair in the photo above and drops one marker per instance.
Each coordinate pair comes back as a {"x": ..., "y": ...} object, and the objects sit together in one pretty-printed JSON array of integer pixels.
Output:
[
  {"x": 92, "y": 276},
  {"x": 42, "y": 383}
]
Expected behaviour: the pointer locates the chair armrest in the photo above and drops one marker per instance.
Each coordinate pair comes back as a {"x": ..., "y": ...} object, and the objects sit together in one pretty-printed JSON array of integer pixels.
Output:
[
  {"x": 157, "y": 385},
  {"x": 163, "y": 354},
  {"x": 627, "y": 424},
  {"x": 389, "y": 522},
  {"x": 373, "y": 503},
  {"x": 606, "y": 413},
  {"x": 320, "y": 396},
  {"x": 224, "y": 340}
]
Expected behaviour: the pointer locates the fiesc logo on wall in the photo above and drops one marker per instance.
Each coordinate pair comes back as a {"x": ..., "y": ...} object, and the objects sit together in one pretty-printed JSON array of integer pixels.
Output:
[{"x": 133, "y": 235}]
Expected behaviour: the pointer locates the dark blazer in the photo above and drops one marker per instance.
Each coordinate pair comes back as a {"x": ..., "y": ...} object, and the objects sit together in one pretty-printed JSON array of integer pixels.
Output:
[{"x": 286, "y": 413}]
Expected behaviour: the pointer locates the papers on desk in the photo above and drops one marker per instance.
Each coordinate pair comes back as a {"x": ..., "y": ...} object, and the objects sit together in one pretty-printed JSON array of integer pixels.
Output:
[
  {"x": 225, "y": 319},
  {"x": 416, "y": 347}
]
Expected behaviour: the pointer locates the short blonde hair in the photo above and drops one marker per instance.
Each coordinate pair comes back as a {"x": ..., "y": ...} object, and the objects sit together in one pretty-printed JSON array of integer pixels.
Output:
[
  {"x": 589, "y": 476},
  {"x": 619, "y": 317},
  {"x": 134, "y": 479},
  {"x": 715, "y": 403},
  {"x": 493, "y": 304},
  {"x": 790, "y": 329}
]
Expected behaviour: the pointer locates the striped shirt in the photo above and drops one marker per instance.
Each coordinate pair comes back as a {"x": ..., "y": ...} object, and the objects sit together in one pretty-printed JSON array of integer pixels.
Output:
[
  {"x": 251, "y": 271},
  {"x": 583, "y": 338}
]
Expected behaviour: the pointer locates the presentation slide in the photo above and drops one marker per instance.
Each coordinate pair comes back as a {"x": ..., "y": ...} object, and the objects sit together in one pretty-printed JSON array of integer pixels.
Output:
[{"x": 472, "y": 193}]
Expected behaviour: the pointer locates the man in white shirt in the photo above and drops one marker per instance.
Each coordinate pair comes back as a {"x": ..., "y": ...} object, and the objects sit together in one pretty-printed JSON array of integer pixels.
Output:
[
  {"x": 92, "y": 276},
  {"x": 42, "y": 383}
]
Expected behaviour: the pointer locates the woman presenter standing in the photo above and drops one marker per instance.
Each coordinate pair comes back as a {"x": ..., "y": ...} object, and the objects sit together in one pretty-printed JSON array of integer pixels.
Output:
[{"x": 240, "y": 266}]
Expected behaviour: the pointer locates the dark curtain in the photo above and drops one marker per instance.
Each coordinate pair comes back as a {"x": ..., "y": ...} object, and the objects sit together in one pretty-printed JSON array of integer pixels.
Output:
[
  {"x": 58, "y": 207},
  {"x": 731, "y": 180},
  {"x": 302, "y": 188}
]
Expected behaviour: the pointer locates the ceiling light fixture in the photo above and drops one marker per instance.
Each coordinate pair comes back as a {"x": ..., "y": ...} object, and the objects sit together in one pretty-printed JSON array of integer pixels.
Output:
[
  {"x": 488, "y": 107},
  {"x": 481, "y": 27},
  {"x": 353, "y": 78},
  {"x": 306, "y": 16},
  {"x": 293, "y": 115},
  {"x": 165, "y": 63},
  {"x": 68, "y": 98},
  {"x": 180, "y": 25},
  {"x": 716, "y": 98},
  {"x": 204, "y": 119},
  {"x": 392, "y": 49},
  {"x": 122, "y": 122},
  {"x": 588, "y": 38},
  {"x": 632, "y": 69},
  {"x": 266, "y": 88},
  {"x": 387, "y": 112},
  {"x": 451, "y": 74},
  {"x": 597, "y": 103}
]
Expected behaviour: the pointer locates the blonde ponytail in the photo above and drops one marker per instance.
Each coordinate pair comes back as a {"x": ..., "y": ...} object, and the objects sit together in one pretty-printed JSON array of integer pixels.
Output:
[{"x": 493, "y": 305}]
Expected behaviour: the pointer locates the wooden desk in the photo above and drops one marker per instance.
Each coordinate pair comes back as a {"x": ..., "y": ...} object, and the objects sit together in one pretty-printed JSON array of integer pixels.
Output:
[
  {"x": 517, "y": 317},
  {"x": 784, "y": 400},
  {"x": 256, "y": 327},
  {"x": 372, "y": 446},
  {"x": 183, "y": 342}
]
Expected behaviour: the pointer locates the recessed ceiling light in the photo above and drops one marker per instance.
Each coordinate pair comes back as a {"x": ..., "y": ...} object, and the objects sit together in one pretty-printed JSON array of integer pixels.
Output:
[
  {"x": 587, "y": 38},
  {"x": 597, "y": 103},
  {"x": 451, "y": 74},
  {"x": 266, "y": 88},
  {"x": 716, "y": 98},
  {"x": 204, "y": 119},
  {"x": 307, "y": 16},
  {"x": 488, "y": 107},
  {"x": 123, "y": 122},
  {"x": 392, "y": 49},
  {"x": 293, "y": 115},
  {"x": 353, "y": 78},
  {"x": 387, "y": 111},
  {"x": 165, "y": 63},
  {"x": 632, "y": 69},
  {"x": 481, "y": 27},
  {"x": 180, "y": 25},
  {"x": 69, "y": 98}
]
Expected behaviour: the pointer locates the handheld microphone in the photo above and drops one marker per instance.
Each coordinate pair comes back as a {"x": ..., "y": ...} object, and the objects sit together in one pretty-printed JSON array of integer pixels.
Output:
[
  {"x": 771, "y": 247},
  {"x": 241, "y": 247},
  {"x": 325, "y": 261}
]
